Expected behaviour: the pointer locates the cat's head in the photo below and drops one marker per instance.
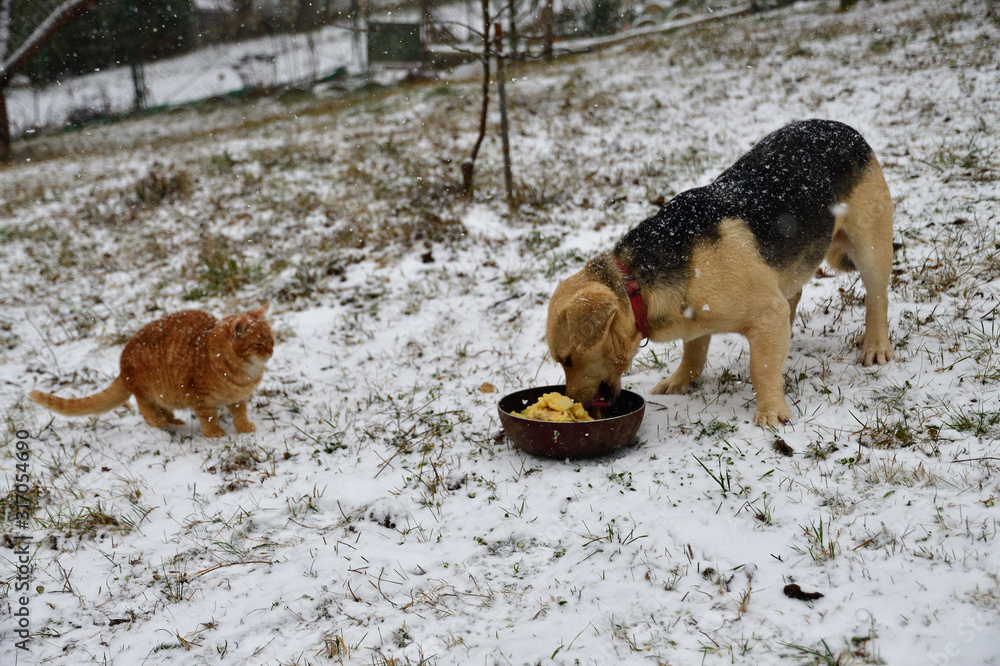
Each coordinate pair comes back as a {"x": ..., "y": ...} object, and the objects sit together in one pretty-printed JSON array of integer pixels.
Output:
[{"x": 251, "y": 335}]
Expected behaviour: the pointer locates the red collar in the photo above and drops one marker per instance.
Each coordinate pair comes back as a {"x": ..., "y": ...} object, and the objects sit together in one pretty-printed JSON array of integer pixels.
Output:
[{"x": 635, "y": 297}]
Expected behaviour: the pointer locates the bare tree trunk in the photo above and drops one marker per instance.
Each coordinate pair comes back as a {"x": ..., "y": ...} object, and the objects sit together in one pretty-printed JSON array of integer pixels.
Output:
[
  {"x": 512, "y": 28},
  {"x": 243, "y": 10},
  {"x": 504, "y": 136},
  {"x": 4, "y": 47},
  {"x": 43, "y": 34},
  {"x": 356, "y": 50},
  {"x": 4, "y": 130},
  {"x": 307, "y": 15},
  {"x": 548, "y": 39},
  {"x": 4, "y": 28},
  {"x": 425, "y": 33},
  {"x": 469, "y": 164},
  {"x": 138, "y": 83}
]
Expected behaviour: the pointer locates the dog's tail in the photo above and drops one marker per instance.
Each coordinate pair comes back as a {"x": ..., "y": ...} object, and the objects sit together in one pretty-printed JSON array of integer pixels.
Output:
[
  {"x": 837, "y": 256},
  {"x": 839, "y": 261},
  {"x": 115, "y": 395}
]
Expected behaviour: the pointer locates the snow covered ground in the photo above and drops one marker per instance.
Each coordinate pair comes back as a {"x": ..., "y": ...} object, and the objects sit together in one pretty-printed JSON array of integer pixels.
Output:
[{"x": 378, "y": 515}]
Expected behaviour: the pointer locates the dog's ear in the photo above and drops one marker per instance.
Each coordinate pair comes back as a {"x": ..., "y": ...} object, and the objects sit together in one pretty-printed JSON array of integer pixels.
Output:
[{"x": 589, "y": 314}]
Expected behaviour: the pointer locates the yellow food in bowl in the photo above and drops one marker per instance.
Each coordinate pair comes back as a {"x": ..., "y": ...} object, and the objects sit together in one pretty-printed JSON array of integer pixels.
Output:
[{"x": 555, "y": 407}]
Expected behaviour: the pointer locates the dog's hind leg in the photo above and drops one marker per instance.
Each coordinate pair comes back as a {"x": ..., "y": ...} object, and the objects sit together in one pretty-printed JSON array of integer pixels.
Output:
[
  {"x": 867, "y": 225},
  {"x": 687, "y": 373},
  {"x": 793, "y": 304}
]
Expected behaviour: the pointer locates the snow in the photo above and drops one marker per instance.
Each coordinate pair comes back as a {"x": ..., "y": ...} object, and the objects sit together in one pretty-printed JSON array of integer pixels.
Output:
[
  {"x": 222, "y": 69},
  {"x": 208, "y": 72},
  {"x": 377, "y": 515}
]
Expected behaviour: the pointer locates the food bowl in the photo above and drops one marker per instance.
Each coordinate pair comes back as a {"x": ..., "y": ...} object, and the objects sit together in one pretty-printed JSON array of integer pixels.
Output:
[{"x": 580, "y": 439}]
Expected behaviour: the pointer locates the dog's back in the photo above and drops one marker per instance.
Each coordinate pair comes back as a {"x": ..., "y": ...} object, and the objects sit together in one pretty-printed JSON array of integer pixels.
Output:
[
  {"x": 786, "y": 189},
  {"x": 733, "y": 257}
]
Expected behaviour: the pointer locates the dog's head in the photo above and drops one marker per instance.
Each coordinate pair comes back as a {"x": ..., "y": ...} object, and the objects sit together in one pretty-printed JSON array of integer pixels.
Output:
[{"x": 592, "y": 334}]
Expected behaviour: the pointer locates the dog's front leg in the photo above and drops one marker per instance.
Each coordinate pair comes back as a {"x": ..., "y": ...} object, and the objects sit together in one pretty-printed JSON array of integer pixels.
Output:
[
  {"x": 769, "y": 340},
  {"x": 687, "y": 373}
]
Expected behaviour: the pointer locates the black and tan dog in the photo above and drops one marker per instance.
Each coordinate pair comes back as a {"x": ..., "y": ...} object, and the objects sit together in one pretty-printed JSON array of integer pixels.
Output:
[{"x": 732, "y": 257}]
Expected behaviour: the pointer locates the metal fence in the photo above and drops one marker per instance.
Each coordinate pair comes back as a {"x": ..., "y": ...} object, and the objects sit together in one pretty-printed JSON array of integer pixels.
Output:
[{"x": 228, "y": 68}]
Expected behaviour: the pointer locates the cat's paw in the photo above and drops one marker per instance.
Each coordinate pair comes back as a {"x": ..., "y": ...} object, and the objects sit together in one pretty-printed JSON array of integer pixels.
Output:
[
  {"x": 243, "y": 428},
  {"x": 212, "y": 431}
]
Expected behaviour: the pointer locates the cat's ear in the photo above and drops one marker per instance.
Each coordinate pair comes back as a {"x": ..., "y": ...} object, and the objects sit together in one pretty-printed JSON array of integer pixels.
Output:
[
  {"x": 239, "y": 326},
  {"x": 261, "y": 311}
]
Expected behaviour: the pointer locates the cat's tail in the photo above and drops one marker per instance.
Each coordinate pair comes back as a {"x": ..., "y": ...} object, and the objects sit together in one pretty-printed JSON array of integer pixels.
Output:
[{"x": 115, "y": 395}]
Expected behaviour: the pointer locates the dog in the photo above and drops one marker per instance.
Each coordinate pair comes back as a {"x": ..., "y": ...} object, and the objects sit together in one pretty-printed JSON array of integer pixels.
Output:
[{"x": 732, "y": 257}]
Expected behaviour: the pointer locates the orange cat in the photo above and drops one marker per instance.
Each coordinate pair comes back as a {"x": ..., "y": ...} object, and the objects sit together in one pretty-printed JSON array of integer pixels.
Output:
[{"x": 186, "y": 359}]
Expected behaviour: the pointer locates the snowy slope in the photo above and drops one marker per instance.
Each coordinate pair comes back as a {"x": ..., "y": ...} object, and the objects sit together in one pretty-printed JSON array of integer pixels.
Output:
[{"x": 377, "y": 515}]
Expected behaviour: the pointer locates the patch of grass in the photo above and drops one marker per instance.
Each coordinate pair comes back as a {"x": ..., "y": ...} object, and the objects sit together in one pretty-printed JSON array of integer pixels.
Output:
[
  {"x": 972, "y": 155},
  {"x": 242, "y": 457},
  {"x": 369, "y": 232},
  {"x": 303, "y": 284},
  {"x": 540, "y": 243},
  {"x": 221, "y": 165},
  {"x": 222, "y": 274},
  {"x": 86, "y": 522},
  {"x": 965, "y": 254},
  {"x": 27, "y": 503},
  {"x": 723, "y": 478},
  {"x": 333, "y": 647},
  {"x": 733, "y": 382},
  {"x": 763, "y": 513},
  {"x": 304, "y": 504},
  {"x": 539, "y": 192},
  {"x": 888, "y": 435},
  {"x": 331, "y": 440},
  {"x": 888, "y": 424},
  {"x": 8, "y": 339},
  {"x": 883, "y": 45},
  {"x": 649, "y": 360},
  {"x": 714, "y": 428},
  {"x": 612, "y": 535},
  {"x": 976, "y": 421},
  {"x": 892, "y": 471},
  {"x": 822, "y": 545},
  {"x": 797, "y": 50},
  {"x": 822, "y": 654},
  {"x": 983, "y": 346},
  {"x": 820, "y": 450},
  {"x": 21, "y": 194},
  {"x": 560, "y": 261},
  {"x": 161, "y": 186},
  {"x": 175, "y": 587}
]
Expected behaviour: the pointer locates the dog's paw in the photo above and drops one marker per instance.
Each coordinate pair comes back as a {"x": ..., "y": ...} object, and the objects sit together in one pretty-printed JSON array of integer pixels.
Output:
[
  {"x": 876, "y": 355},
  {"x": 673, "y": 386},
  {"x": 771, "y": 418}
]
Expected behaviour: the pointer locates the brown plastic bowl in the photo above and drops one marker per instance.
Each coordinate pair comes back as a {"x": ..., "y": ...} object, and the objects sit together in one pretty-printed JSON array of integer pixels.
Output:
[{"x": 585, "y": 439}]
